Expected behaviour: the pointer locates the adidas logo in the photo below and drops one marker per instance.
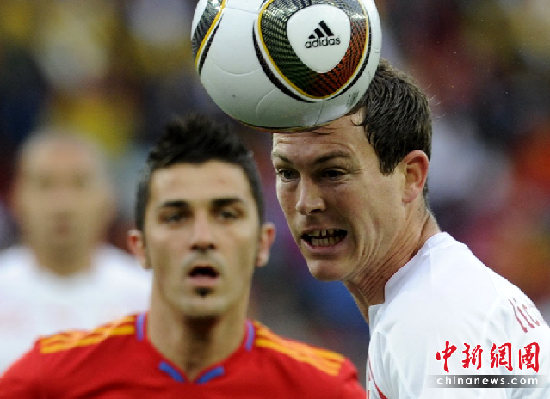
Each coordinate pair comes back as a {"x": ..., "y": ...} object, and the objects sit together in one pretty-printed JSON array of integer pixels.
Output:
[{"x": 322, "y": 36}]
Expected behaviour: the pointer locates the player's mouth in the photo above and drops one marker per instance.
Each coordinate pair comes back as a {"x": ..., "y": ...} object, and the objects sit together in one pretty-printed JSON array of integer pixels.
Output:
[
  {"x": 62, "y": 227},
  {"x": 204, "y": 279},
  {"x": 203, "y": 275},
  {"x": 206, "y": 272},
  {"x": 324, "y": 238}
]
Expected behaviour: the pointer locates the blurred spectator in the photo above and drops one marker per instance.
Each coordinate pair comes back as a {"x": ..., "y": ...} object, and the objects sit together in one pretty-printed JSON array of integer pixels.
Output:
[
  {"x": 514, "y": 236},
  {"x": 62, "y": 275}
]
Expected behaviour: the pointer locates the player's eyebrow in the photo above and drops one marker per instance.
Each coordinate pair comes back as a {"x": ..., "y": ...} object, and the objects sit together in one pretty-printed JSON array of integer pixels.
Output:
[
  {"x": 216, "y": 202},
  {"x": 275, "y": 154},
  {"x": 331, "y": 155},
  {"x": 174, "y": 204},
  {"x": 321, "y": 159},
  {"x": 221, "y": 202}
]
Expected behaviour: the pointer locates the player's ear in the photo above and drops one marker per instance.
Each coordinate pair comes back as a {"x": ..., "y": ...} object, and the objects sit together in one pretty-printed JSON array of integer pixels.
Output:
[
  {"x": 106, "y": 202},
  {"x": 415, "y": 167},
  {"x": 136, "y": 244},
  {"x": 266, "y": 239},
  {"x": 358, "y": 116},
  {"x": 14, "y": 199}
]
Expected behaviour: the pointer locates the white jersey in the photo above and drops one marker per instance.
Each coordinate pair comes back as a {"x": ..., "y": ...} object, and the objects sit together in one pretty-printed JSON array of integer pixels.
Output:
[
  {"x": 35, "y": 302},
  {"x": 447, "y": 319}
]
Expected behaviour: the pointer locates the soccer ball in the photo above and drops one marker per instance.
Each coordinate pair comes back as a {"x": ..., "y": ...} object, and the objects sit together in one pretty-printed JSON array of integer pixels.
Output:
[{"x": 285, "y": 65}]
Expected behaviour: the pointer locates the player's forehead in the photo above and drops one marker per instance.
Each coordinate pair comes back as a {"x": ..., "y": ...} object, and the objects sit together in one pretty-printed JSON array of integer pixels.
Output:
[
  {"x": 52, "y": 150},
  {"x": 60, "y": 158},
  {"x": 203, "y": 182},
  {"x": 336, "y": 140}
]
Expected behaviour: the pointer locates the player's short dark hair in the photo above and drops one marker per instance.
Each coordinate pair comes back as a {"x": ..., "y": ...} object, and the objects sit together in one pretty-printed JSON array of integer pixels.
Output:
[
  {"x": 397, "y": 117},
  {"x": 196, "y": 140}
]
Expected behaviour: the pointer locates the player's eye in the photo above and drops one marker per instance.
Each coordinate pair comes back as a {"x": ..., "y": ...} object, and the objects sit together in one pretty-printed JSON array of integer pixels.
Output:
[
  {"x": 286, "y": 174},
  {"x": 171, "y": 217},
  {"x": 228, "y": 213},
  {"x": 332, "y": 173},
  {"x": 80, "y": 182},
  {"x": 43, "y": 183}
]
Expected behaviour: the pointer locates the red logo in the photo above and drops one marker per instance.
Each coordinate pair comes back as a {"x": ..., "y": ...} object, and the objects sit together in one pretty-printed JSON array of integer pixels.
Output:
[
  {"x": 445, "y": 354},
  {"x": 500, "y": 356},
  {"x": 524, "y": 315}
]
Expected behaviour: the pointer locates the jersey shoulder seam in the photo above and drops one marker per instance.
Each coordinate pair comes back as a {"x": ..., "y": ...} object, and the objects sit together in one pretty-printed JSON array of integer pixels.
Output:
[
  {"x": 324, "y": 360},
  {"x": 81, "y": 338}
]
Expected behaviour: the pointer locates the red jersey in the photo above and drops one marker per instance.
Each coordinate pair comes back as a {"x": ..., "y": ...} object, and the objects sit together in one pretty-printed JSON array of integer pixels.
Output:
[{"x": 117, "y": 360}]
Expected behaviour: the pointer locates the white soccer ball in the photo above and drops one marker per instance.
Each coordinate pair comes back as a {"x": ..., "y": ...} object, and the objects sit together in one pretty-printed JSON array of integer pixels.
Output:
[{"x": 286, "y": 64}]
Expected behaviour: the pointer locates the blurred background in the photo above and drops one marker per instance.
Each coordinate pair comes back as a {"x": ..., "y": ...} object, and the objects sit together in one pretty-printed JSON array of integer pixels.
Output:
[{"x": 117, "y": 70}]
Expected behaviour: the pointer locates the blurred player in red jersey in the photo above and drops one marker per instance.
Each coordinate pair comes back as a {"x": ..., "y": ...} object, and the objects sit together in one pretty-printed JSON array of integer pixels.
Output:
[{"x": 200, "y": 229}]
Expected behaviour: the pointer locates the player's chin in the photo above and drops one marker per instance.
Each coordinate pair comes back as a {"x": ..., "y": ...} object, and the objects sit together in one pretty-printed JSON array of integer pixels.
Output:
[
  {"x": 325, "y": 270},
  {"x": 199, "y": 306},
  {"x": 203, "y": 312}
]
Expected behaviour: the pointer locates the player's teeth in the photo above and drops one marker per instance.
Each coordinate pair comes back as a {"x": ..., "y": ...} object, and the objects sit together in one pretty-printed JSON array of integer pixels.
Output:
[
  {"x": 319, "y": 242},
  {"x": 322, "y": 233},
  {"x": 325, "y": 241}
]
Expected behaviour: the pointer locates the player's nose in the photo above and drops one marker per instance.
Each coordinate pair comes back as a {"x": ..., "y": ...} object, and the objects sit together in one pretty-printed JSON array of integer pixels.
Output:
[
  {"x": 310, "y": 199},
  {"x": 202, "y": 238}
]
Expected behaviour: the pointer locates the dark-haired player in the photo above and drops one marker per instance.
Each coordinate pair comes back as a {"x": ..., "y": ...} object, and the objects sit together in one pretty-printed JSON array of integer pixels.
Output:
[{"x": 200, "y": 229}]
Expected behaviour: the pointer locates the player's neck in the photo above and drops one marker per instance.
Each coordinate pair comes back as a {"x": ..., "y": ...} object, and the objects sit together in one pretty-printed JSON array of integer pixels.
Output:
[
  {"x": 368, "y": 287},
  {"x": 64, "y": 263},
  {"x": 194, "y": 344}
]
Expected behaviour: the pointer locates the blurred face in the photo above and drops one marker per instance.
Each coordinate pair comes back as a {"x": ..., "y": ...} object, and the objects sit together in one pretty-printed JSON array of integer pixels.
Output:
[
  {"x": 202, "y": 238},
  {"x": 61, "y": 198},
  {"x": 344, "y": 214}
]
